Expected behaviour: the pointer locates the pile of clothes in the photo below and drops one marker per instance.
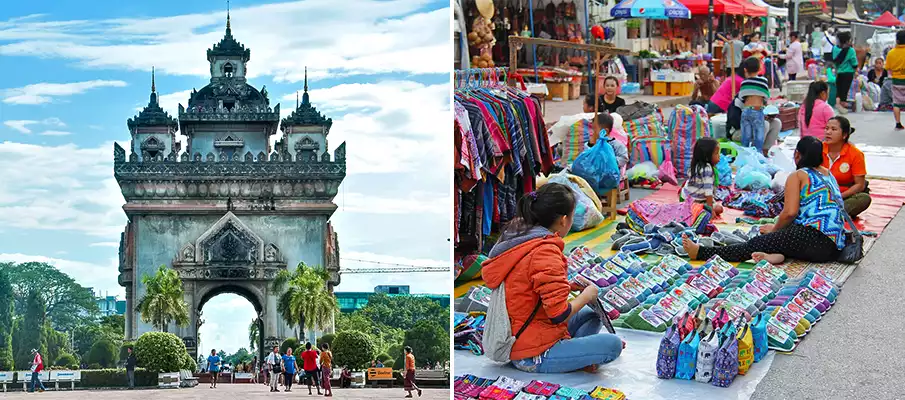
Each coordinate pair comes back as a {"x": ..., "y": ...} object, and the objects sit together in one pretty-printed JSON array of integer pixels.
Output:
[
  {"x": 469, "y": 332},
  {"x": 667, "y": 239},
  {"x": 506, "y": 388}
]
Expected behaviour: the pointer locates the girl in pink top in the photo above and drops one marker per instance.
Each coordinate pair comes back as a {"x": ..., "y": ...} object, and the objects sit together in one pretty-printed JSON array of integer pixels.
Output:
[
  {"x": 814, "y": 114},
  {"x": 720, "y": 100}
]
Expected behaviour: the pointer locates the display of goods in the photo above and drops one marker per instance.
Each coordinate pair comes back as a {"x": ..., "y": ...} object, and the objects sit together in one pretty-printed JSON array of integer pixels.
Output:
[
  {"x": 481, "y": 37},
  {"x": 468, "y": 331},
  {"x": 472, "y": 387},
  {"x": 686, "y": 125}
]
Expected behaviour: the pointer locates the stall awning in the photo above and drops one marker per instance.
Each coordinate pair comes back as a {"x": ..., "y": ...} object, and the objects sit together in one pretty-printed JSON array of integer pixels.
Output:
[
  {"x": 773, "y": 11},
  {"x": 720, "y": 7},
  {"x": 887, "y": 19},
  {"x": 751, "y": 10}
]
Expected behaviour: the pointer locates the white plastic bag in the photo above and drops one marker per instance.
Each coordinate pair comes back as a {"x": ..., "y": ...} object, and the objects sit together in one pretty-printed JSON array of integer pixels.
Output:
[
  {"x": 559, "y": 130},
  {"x": 646, "y": 170},
  {"x": 778, "y": 183},
  {"x": 781, "y": 160}
]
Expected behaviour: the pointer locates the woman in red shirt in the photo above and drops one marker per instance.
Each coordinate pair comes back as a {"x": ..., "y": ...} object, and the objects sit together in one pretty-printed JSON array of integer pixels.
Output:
[{"x": 309, "y": 364}]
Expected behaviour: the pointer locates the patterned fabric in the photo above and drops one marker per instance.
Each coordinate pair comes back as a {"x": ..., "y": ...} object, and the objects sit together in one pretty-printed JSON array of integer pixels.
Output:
[
  {"x": 650, "y": 125},
  {"x": 508, "y": 383},
  {"x": 755, "y": 86},
  {"x": 575, "y": 142},
  {"x": 649, "y": 148},
  {"x": 745, "y": 350},
  {"x": 699, "y": 187},
  {"x": 542, "y": 388},
  {"x": 686, "y": 126},
  {"x": 725, "y": 366},
  {"x": 497, "y": 393},
  {"x": 668, "y": 354},
  {"x": 688, "y": 355},
  {"x": 759, "y": 334},
  {"x": 603, "y": 393},
  {"x": 643, "y": 212},
  {"x": 762, "y": 203},
  {"x": 704, "y": 363},
  {"x": 528, "y": 396},
  {"x": 571, "y": 393},
  {"x": 819, "y": 209}
]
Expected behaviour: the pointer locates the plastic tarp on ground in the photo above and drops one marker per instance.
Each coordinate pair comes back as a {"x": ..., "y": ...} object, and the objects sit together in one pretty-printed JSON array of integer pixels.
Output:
[{"x": 634, "y": 373}]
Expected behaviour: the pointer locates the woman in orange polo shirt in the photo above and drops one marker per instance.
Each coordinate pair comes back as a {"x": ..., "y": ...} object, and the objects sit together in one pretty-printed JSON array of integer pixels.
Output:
[
  {"x": 552, "y": 333},
  {"x": 846, "y": 163}
]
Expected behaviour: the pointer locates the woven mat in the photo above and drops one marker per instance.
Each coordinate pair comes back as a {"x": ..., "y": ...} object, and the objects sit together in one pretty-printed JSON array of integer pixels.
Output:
[{"x": 838, "y": 271}]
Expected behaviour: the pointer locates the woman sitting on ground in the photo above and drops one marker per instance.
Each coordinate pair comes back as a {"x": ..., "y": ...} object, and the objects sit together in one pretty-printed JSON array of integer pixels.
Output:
[
  {"x": 815, "y": 112},
  {"x": 809, "y": 228},
  {"x": 847, "y": 164},
  {"x": 552, "y": 334}
]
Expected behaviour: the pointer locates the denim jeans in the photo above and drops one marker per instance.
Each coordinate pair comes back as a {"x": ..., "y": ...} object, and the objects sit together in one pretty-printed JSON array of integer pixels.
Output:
[
  {"x": 753, "y": 128},
  {"x": 36, "y": 381},
  {"x": 130, "y": 373},
  {"x": 586, "y": 347}
]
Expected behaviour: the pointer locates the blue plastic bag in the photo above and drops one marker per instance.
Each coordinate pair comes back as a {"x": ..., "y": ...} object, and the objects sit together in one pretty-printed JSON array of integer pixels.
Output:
[
  {"x": 752, "y": 178},
  {"x": 724, "y": 171},
  {"x": 598, "y": 166}
]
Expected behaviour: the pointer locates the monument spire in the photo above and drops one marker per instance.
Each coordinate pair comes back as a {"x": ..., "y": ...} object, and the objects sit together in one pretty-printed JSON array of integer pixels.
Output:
[
  {"x": 153, "y": 87},
  {"x": 228, "y": 30},
  {"x": 305, "y": 93},
  {"x": 296, "y": 99}
]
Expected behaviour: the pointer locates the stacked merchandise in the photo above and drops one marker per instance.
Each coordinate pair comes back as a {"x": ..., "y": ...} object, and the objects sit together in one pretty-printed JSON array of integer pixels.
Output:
[
  {"x": 469, "y": 331},
  {"x": 500, "y": 147},
  {"x": 649, "y": 145},
  {"x": 468, "y": 387},
  {"x": 686, "y": 125},
  {"x": 650, "y": 296}
]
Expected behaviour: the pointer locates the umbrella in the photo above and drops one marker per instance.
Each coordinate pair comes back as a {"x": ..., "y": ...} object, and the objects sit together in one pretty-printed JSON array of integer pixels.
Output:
[
  {"x": 887, "y": 19},
  {"x": 650, "y": 9}
]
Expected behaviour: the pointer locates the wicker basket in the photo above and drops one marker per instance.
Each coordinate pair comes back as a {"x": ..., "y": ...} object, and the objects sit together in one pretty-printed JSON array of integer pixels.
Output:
[{"x": 789, "y": 118}]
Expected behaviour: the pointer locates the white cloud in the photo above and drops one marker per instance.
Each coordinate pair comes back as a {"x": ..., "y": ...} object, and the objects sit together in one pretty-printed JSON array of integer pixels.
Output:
[
  {"x": 421, "y": 282},
  {"x": 40, "y": 93},
  {"x": 407, "y": 203},
  {"x": 226, "y": 318},
  {"x": 102, "y": 278},
  {"x": 362, "y": 37},
  {"x": 22, "y": 125},
  {"x": 55, "y": 133},
  {"x": 105, "y": 244},
  {"x": 63, "y": 187}
]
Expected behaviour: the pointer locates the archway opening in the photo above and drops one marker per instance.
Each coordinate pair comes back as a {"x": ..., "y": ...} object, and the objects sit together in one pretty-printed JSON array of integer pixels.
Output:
[{"x": 231, "y": 326}]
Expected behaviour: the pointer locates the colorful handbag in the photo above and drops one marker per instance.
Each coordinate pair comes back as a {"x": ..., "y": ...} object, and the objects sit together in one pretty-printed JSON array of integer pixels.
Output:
[
  {"x": 602, "y": 393},
  {"x": 707, "y": 349},
  {"x": 542, "y": 388},
  {"x": 745, "y": 350},
  {"x": 688, "y": 354},
  {"x": 668, "y": 354},
  {"x": 725, "y": 365},
  {"x": 759, "y": 334}
]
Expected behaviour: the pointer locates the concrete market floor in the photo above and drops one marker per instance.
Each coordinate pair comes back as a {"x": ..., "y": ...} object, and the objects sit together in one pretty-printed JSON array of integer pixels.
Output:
[{"x": 225, "y": 392}]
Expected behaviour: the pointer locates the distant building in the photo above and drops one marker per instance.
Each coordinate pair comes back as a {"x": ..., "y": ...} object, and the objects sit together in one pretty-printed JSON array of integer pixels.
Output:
[
  {"x": 110, "y": 305},
  {"x": 351, "y": 301}
]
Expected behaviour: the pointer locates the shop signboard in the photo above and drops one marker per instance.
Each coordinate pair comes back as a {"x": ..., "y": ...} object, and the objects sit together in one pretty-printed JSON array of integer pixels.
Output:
[{"x": 814, "y": 8}]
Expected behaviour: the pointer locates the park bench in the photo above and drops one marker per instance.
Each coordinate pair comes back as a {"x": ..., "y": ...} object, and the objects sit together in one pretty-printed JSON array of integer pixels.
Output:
[
  {"x": 358, "y": 379},
  {"x": 377, "y": 376},
  {"x": 187, "y": 379},
  {"x": 25, "y": 378},
  {"x": 6, "y": 377},
  {"x": 65, "y": 376},
  {"x": 168, "y": 380},
  {"x": 431, "y": 375}
]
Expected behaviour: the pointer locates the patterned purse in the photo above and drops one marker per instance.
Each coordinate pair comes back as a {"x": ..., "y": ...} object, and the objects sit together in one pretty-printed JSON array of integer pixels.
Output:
[
  {"x": 688, "y": 354},
  {"x": 667, "y": 356},
  {"x": 602, "y": 393},
  {"x": 759, "y": 334},
  {"x": 745, "y": 350},
  {"x": 707, "y": 349},
  {"x": 542, "y": 388},
  {"x": 725, "y": 365}
]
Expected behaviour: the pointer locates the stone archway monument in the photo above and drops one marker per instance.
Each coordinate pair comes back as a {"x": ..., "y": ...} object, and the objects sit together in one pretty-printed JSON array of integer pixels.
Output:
[{"x": 234, "y": 207}]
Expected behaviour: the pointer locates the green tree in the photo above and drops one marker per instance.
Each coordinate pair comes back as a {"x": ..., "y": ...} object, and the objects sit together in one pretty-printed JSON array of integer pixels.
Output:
[
  {"x": 292, "y": 343},
  {"x": 66, "y": 303},
  {"x": 57, "y": 343},
  {"x": 84, "y": 336},
  {"x": 163, "y": 302},
  {"x": 326, "y": 338},
  {"x": 6, "y": 323},
  {"x": 304, "y": 298},
  {"x": 104, "y": 353},
  {"x": 254, "y": 335},
  {"x": 114, "y": 324},
  {"x": 353, "y": 349},
  {"x": 160, "y": 352},
  {"x": 31, "y": 334},
  {"x": 404, "y": 311},
  {"x": 66, "y": 360},
  {"x": 383, "y": 336},
  {"x": 429, "y": 343}
]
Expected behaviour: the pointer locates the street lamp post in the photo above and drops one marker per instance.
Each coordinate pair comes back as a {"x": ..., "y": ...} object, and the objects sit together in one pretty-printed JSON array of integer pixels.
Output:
[{"x": 710, "y": 24}]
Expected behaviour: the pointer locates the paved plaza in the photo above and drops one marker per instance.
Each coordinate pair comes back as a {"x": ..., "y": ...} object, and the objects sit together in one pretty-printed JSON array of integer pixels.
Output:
[{"x": 223, "y": 392}]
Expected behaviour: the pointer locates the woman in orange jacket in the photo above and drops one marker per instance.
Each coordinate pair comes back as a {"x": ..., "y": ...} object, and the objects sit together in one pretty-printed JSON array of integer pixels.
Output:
[{"x": 559, "y": 335}]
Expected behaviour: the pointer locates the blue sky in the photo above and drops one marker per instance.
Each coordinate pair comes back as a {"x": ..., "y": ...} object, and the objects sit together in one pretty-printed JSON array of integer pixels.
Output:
[{"x": 72, "y": 74}]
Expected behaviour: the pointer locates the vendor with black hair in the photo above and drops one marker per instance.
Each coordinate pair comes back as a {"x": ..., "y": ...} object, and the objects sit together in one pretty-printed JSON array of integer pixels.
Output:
[{"x": 847, "y": 165}]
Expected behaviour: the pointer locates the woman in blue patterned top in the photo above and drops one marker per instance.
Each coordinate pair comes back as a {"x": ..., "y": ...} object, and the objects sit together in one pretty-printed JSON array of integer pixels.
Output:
[{"x": 811, "y": 226}]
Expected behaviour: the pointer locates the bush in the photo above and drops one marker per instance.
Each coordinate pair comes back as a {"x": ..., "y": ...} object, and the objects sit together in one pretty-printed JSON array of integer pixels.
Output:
[
  {"x": 103, "y": 352},
  {"x": 395, "y": 350},
  {"x": 383, "y": 357},
  {"x": 94, "y": 366},
  {"x": 327, "y": 338},
  {"x": 354, "y": 349},
  {"x": 189, "y": 363},
  {"x": 290, "y": 342},
  {"x": 160, "y": 352},
  {"x": 389, "y": 363},
  {"x": 116, "y": 378},
  {"x": 66, "y": 360}
]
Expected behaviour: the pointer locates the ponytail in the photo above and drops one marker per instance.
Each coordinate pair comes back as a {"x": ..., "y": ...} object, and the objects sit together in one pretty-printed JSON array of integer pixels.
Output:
[{"x": 543, "y": 207}]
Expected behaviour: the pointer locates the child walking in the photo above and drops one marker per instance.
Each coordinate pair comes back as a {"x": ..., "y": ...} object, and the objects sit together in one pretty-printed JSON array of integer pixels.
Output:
[
  {"x": 701, "y": 185},
  {"x": 753, "y": 98}
]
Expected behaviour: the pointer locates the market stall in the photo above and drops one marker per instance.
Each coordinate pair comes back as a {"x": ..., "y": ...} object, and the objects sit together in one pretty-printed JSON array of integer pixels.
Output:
[{"x": 888, "y": 20}]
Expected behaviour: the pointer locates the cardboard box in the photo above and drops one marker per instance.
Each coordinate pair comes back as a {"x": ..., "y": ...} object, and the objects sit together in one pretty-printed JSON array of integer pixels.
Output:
[{"x": 558, "y": 91}]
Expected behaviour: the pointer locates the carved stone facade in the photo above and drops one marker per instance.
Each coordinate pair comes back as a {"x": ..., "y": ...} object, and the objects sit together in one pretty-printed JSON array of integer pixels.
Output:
[{"x": 230, "y": 211}]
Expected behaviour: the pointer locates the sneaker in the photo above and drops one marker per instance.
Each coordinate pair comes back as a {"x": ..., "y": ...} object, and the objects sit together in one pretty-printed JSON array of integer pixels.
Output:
[
  {"x": 419, "y": 392},
  {"x": 899, "y": 126}
]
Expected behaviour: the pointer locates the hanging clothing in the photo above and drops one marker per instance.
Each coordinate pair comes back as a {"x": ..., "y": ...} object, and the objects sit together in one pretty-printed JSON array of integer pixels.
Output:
[{"x": 501, "y": 145}]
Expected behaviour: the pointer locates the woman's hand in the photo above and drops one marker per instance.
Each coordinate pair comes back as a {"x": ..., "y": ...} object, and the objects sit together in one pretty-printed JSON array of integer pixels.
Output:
[
  {"x": 589, "y": 293},
  {"x": 766, "y": 229}
]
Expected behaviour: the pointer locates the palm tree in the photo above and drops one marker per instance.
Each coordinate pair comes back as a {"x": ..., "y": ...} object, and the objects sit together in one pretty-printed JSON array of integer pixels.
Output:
[
  {"x": 163, "y": 302},
  {"x": 254, "y": 334},
  {"x": 304, "y": 297}
]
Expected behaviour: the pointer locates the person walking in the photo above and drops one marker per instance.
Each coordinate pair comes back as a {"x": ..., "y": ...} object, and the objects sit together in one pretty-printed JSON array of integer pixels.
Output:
[
  {"x": 309, "y": 363},
  {"x": 213, "y": 365},
  {"x": 845, "y": 60},
  {"x": 794, "y": 57},
  {"x": 327, "y": 368},
  {"x": 255, "y": 369},
  {"x": 290, "y": 367},
  {"x": 274, "y": 361},
  {"x": 410, "y": 373},
  {"x": 895, "y": 64},
  {"x": 37, "y": 365},
  {"x": 130, "y": 368}
]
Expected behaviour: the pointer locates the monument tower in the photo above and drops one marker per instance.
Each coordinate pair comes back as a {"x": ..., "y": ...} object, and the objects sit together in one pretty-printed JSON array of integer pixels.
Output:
[{"x": 235, "y": 206}]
